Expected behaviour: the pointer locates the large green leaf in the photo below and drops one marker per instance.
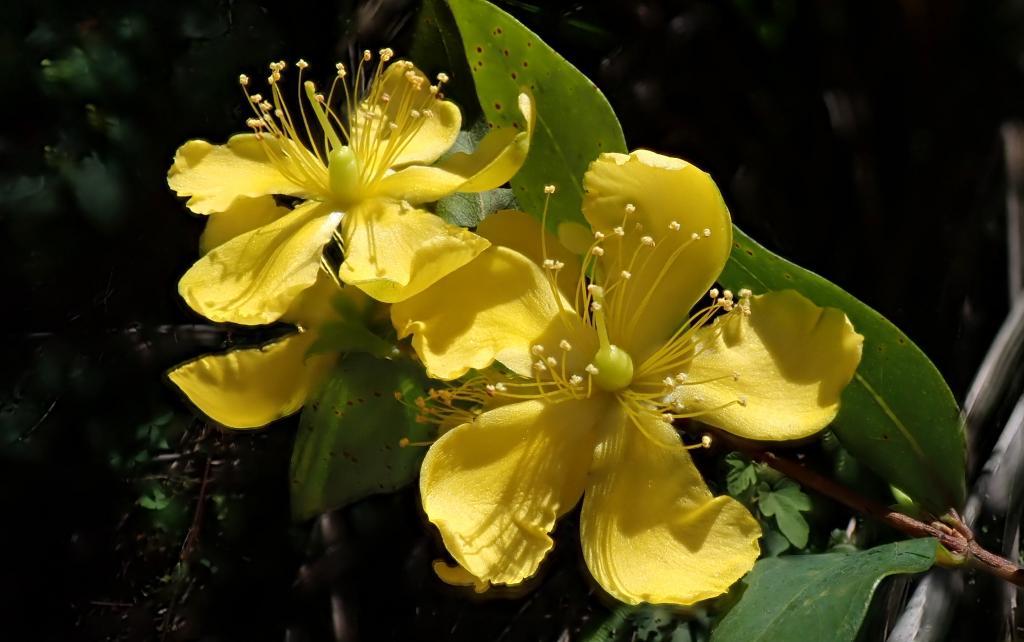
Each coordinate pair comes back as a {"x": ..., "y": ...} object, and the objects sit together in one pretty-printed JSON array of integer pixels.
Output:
[
  {"x": 575, "y": 123},
  {"x": 437, "y": 47},
  {"x": 347, "y": 447},
  {"x": 898, "y": 416},
  {"x": 817, "y": 597}
]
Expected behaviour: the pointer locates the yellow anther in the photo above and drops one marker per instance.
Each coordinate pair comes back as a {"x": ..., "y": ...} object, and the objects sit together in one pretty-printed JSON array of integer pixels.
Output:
[
  {"x": 591, "y": 369},
  {"x": 707, "y": 232},
  {"x": 626, "y": 274},
  {"x": 618, "y": 231},
  {"x": 367, "y": 56},
  {"x": 301, "y": 64},
  {"x": 713, "y": 293},
  {"x": 565, "y": 345},
  {"x": 537, "y": 350},
  {"x": 598, "y": 251},
  {"x": 647, "y": 240},
  {"x": 442, "y": 77},
  {"x": 674, "y": 226},
  {"x": 386, "y": 54},
  {"x": 549, "y": 189},
  {"x": 243, "y": 80},
  {"x": 630, "y": 208}
]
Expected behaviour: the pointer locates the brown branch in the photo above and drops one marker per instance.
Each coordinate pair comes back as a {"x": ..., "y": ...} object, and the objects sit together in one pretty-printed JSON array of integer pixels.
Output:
[{"x": 957, "y": 540}]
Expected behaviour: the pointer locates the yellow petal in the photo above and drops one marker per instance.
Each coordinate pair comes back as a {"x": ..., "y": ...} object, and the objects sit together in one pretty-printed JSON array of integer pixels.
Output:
[
  {"x": 494, "y": 488},
  {"x": 523, "y": 233},
  {"x": 254, "y": 278},
  {"x": 435, "y": 131},
  {"x": 670, "y": 277},
  {"x": 214, "y": 175},
  {"x": 252, "y": 387},
  {"x": 496, "y": 159},
  {"x": 494, "y": 309},
  {"x": 651, "y": 531},
  {"x": 393, "y": 252},
  {"x": 243, "y": 215},
  {"x": 793, "y": 360}
]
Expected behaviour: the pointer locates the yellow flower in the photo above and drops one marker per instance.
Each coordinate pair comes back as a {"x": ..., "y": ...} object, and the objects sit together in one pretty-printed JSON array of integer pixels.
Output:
[
  {"x": 357, "y": 176},
  {"x": 596, "y": 371},
  {"x": 249, "y": 388}
]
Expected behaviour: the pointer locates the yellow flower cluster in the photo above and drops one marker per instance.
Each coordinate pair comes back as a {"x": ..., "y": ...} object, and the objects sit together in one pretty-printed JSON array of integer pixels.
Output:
[{"x": 566, "y": 372}]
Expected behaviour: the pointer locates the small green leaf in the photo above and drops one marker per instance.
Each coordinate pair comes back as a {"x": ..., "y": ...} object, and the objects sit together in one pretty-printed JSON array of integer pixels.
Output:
[
  {"x": 575, "y": 123},
  {"x": 897, "y": 416},
  {"x": 468, "y": 209},
  {"x": 649, "y": 622},
  {"x": 154, "y": 499},
  {"x": 742, "y": 475},
  {"x": 774, "y": 542},
  {"x": 347, "y": 447},
  {"x": 817, "y": 597},
  {"x": 784, "y": 502}
]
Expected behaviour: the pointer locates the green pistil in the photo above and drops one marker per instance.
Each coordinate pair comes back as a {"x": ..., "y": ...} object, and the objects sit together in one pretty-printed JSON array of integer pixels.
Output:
[
  {"x": 343, "y": 172},
  {"x": 614, "y": 365}
]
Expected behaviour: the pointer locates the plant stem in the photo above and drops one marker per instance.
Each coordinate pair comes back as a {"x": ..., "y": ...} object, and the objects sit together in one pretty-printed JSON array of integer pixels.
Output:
[{"x": 957, "y": 540}]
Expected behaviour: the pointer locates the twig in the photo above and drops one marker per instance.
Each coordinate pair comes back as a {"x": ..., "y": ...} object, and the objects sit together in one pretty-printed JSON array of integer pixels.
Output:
[
  {"x": 197, "y": 518},
  {"x": 28, "y": 433},
  {"x": 955, "y": 540}
]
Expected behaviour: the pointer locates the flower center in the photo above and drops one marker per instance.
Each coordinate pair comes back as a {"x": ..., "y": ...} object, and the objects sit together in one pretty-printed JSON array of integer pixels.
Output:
[{"x": 353, "y": 137}]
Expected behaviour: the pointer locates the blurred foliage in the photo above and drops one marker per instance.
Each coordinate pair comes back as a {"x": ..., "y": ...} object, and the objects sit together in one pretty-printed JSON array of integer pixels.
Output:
[{"x": 838, "y": 132}]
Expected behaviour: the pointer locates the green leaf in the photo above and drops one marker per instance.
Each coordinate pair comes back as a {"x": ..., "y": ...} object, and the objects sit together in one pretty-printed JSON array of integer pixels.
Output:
[
  {"x": 742, "y": 474},
  {"x": 468, "y": 209},
  {"x": 817, "y": 597},
  {"x": 154, "y": 499},
  {"x": 897, "y": 416},
  {"x": 575, "y": 123},
  {"x": 650, "y": 622},
  {"x": 773, "y": 542},
  {"x": 437, "y": 47},
  {"x": 785, "y": 501},
  {"x": 347, "y": 447}
]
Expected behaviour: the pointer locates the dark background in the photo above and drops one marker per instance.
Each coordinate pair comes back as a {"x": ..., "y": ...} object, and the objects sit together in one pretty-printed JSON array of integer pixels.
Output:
[{"x": 863, "y": 140}]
